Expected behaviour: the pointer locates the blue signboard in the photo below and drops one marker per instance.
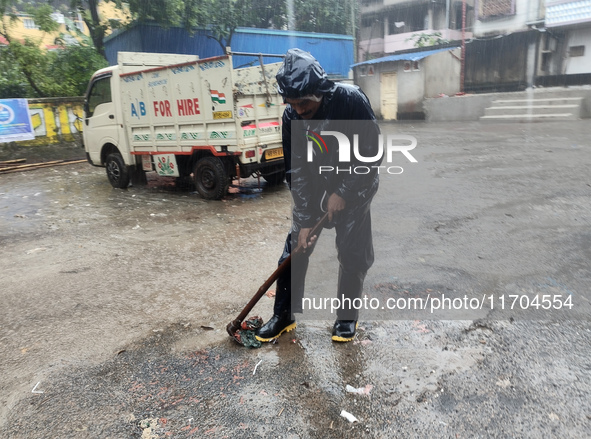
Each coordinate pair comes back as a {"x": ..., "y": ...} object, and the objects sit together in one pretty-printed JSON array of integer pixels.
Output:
[{"x": 15, "y": 121}]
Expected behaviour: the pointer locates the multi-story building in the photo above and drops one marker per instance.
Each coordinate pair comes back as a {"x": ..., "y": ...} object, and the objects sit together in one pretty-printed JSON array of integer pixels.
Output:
[
  {"x": 504, "y": 52},
  {"x": 26, "y": 28},
  {"x": 408, "y": 50},
  {"x": 564, "y": 57},
  {"x": 390, "y": 26},
  {"x": 509, "y": 44}
]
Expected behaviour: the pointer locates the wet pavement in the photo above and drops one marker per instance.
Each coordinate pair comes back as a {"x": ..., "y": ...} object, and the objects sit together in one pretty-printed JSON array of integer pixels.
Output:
[{"x": 115, "y": 302}]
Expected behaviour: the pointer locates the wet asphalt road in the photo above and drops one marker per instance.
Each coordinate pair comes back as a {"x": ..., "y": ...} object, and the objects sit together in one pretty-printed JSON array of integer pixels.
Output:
[{"x": 115, "y": 302}]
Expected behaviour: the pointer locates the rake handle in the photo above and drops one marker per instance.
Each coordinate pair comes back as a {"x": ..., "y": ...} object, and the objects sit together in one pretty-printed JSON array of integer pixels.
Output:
[{"x": 235, "y": 324}]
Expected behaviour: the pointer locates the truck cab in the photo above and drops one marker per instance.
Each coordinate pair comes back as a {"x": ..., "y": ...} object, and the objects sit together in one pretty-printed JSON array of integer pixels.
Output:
[{"x": 103, "y": 132}]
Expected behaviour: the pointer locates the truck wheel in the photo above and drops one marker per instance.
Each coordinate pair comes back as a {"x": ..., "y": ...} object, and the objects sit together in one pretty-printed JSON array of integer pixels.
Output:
[
  {"x": 210, "y": 178},
  {"x": 117, "y": 171},
  {"x": 275, "y": 178}
]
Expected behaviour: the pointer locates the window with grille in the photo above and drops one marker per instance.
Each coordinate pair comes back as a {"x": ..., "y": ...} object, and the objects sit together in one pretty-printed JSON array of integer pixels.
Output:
[{"x": 495, "y": 8}]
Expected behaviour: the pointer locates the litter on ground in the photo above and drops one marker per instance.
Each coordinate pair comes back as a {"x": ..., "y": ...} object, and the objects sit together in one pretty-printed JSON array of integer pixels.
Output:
[
  {"x": 246, "y": 334},
  {"x": 361, "y": 390},
  {"x": 348, "y": 416}
]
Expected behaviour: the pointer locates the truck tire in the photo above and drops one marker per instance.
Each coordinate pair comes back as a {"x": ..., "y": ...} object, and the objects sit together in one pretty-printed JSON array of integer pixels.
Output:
[
  {"x": 210, "y": 178},
  {"x": 117, "y": 171},
  {"x": 275, "y": 178}
]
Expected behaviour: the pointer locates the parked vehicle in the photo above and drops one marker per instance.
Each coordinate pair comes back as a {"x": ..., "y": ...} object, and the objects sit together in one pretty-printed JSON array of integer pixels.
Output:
[{"x": 182, "y": 116}]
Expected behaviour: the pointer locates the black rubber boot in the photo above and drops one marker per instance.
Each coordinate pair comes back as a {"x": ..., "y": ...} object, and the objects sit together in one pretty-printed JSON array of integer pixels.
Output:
[
  {"x": 277, "y": 325},
  {"x": 344, "y": 330}
]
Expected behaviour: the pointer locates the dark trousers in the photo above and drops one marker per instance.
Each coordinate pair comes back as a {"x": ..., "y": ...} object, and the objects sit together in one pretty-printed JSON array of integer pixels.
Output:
[{"x": 355, "y": 254}]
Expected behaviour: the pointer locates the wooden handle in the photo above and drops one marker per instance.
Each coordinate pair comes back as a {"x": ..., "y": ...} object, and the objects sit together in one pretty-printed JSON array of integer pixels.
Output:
[{"x": 235, "y": 324}]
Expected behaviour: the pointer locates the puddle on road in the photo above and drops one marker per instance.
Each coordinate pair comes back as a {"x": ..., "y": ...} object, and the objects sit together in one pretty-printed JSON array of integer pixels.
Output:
[{"x": 81, "y": 195}]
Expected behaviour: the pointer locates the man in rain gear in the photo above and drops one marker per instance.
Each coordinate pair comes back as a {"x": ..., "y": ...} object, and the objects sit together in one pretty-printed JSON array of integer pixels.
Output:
[{"x": 317, "y": 105}]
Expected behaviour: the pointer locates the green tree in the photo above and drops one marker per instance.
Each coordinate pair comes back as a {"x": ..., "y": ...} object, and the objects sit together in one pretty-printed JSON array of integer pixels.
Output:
[
  {"x": 28, "y": 70},
  {"x": 267, "y": 14},
  {"x": 224, "y": 16},
  {"x": 98, "y": 27},
  {"x": 71, "y": 68},
  {"x": 25, "y": 56},
  {"x": 186, "y": 13},
  {"x": 221, "y": 17},
  {"x": 328, "y": 16},
  {"x": 63, "y": 72},
  {"x": 425, "y": 40},
  {"x": 11, "y": 79}
]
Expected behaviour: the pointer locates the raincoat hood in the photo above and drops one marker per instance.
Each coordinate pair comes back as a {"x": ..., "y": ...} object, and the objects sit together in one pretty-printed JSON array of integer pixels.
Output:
[{"x": 301, "y": 75}]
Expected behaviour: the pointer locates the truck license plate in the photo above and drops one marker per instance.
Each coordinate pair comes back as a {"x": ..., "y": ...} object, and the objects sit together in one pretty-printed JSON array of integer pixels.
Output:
[{"x": 274, "y": 153}]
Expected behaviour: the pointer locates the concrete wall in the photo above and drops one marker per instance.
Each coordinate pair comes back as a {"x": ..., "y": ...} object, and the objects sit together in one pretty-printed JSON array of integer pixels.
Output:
[
  {"x": 370, "y": 84},
  {"x": 442, "y": 73},
  {"x": 579, "y": 64},
  {"x": 436, "y": 74},
  {"x": 411, "y": 89},
  {"x": 411, "y": 86},
  {"x": 55, "y": 120},
  {"x": 456, "y": 108},
  {"x": 471, "y": 107}
]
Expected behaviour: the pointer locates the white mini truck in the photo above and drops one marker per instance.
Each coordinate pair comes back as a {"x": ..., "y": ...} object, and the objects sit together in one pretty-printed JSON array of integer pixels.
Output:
[{"x": 183, "y": 116}]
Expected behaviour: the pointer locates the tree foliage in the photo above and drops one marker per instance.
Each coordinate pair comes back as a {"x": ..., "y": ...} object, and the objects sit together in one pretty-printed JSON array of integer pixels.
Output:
[
  {"x": 98, "y": 27},
  {"x": 426, "y": 39},
  {"x": 222, "y": 17},
  {"x": 328, "y": 16},
  {"x": 266, "y": 14},
  {"x": 29, "y": 70}
]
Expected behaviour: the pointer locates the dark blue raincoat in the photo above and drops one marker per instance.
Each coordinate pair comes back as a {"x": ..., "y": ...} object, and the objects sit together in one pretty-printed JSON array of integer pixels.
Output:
[{"x": 344, "y": 108}]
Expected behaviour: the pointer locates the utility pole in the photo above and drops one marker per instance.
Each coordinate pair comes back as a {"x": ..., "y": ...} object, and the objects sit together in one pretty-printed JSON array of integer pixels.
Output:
[
  {"x": 463, "y": 64},
  {"x": 353, "y": 28}
]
